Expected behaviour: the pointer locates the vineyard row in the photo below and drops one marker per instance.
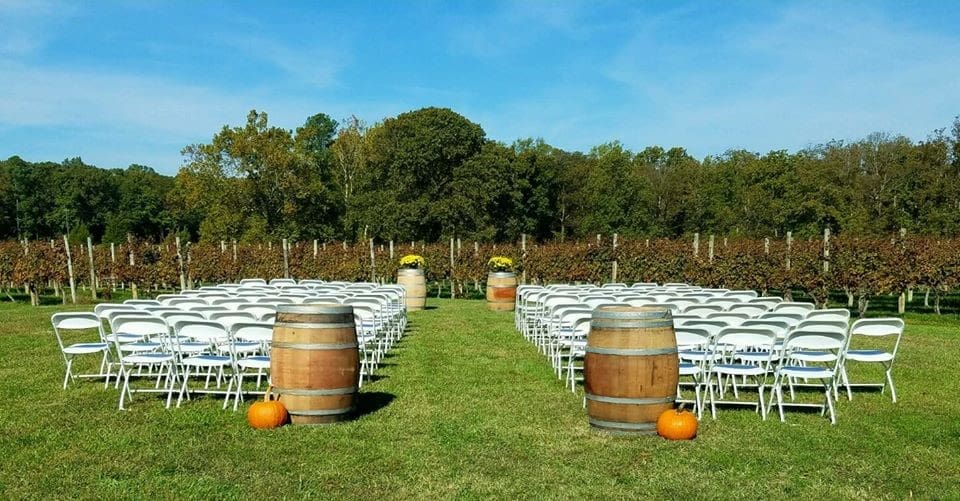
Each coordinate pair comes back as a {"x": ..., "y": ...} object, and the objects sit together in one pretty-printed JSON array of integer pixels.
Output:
[{"x": 862, "y": 267}]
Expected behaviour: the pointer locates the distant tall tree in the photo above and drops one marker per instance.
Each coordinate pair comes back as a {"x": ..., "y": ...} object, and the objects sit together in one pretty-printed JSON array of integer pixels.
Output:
[{"x": 412, "y": 162}]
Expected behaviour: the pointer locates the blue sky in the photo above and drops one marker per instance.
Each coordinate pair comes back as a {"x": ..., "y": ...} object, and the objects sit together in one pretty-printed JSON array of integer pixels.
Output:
[{"x": 128, "y": 82}]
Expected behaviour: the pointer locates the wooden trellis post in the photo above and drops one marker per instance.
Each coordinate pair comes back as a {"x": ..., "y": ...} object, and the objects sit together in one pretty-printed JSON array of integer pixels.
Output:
[
  {"x": 183, "y": 276},
  {"x": 73, "y": 283},
  {"x": 286, "y": 258},
  {"x": 93, "y": 272}
]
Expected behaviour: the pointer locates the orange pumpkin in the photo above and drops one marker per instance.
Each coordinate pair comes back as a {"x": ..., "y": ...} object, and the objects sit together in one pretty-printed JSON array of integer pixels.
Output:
[
  {"x": 267, "y": 414},
  {"x": 677, "y": 424}
]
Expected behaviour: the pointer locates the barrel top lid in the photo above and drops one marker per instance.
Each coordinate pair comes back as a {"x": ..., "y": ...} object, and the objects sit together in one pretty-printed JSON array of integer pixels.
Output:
[
  {"x": 502, "y": 274},
  {"x": 328, "y": 308},
  {"x": 633, "y": 312},
  {"x": 409, "y": 271}
]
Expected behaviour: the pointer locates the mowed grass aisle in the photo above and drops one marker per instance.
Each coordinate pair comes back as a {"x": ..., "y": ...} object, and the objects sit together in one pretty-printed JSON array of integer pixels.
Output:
[{"x": 465, "y": 407}]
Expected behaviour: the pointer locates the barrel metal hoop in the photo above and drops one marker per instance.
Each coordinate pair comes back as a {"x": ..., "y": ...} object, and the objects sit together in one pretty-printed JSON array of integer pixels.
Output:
[
  {"x": 314, "y": 346},
  {"x": 314, "y": 326},
  {"x": 323, "y": 412},
  {"x": 639, "y": 427},
  {"x": 315, "y": 393},
  {"x": 633, "y": 315},
  {"x": 604, "y": 323},
  {"x": 316, "y": 308},
  {"x": 631, "y": 401},
  {"x": 628, "y": 352}
]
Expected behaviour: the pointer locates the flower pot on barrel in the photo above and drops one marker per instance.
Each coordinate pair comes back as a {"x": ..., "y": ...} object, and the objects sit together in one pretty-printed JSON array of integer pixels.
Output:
[
  {"x": 410, "y": 276},
  {"x": 501, "y": 284}
]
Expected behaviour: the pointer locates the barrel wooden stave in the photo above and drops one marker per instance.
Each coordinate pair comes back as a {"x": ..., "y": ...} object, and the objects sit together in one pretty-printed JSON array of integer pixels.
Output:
[
  {"x": 415, "y": 286},
  {"x": 501, "y": 291},
  {"x": 315, "y": 362},
  {"x": 627, "y": 392}
]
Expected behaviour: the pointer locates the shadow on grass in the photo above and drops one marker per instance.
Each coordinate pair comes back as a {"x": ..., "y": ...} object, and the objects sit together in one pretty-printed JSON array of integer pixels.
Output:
[{"x": 369, "y": 402}]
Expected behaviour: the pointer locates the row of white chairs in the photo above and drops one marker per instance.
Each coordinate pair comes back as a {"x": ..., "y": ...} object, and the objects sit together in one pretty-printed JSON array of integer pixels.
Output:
[
  {"x": 557, "y": 320},
  {"x": 172, "y": 341}
]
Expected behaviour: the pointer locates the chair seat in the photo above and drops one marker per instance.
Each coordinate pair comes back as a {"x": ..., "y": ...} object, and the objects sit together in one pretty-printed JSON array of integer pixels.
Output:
[
  {"x": 739, "y": 369},
  {"x": 83, "y": 348},
  {"x": 148, "y": 358},
  {"x": 256, "y": 362},
  {"x": 689, "y": 369},
  {"x": 869, "y": 355},
  {"x": 807, "y": 372},
  {"x": 698, "y": 355},
  {"x": 139, "y": 347},
  {"x": 813, "y": 356},
  {"x": 207, "y": 361},
  {"x": 123, "y": 338}
]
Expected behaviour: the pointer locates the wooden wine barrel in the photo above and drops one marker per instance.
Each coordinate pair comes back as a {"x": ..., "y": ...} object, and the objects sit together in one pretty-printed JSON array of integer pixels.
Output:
[
  {"x": 501, "y": 290},
  {"x": 631, "y": 368},
  {"x": 416, "y": 287},
  {"x": 314, "y": 362}
]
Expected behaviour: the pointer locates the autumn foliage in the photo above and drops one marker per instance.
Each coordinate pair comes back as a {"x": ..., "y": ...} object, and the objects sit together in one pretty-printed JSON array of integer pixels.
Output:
[{"x": 862, "y": 267}]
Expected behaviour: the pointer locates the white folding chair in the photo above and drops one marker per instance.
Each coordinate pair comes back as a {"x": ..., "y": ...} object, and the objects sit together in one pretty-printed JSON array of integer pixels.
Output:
[
  {"x": 874, "y": 328},
  {"x": 152, "y": 352},
  {"x": 252, "y": 332},
  {"x": 80, "y": 322},
  {"x": 215, "y": 336},
  {"x": 810, "y": 354},
  {"x": 727, "y": 345}
]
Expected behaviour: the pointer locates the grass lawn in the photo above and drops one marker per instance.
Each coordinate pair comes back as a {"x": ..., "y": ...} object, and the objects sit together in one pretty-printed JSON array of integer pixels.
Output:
[{"x": 465, "y": 407}]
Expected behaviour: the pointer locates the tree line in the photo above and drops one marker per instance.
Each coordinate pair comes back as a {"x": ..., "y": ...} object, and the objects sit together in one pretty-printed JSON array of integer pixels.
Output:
[{"x": 431, "y": 174}]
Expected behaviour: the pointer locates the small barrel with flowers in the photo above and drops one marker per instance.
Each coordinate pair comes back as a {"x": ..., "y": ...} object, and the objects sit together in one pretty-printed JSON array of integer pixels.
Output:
[
  {"x": 501, "y": 284},
  {"x": 410, "y": 276}
]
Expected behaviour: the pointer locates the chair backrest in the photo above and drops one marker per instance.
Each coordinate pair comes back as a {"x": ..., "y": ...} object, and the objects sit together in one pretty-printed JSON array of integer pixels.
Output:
[
  {"x": 805, "y": 340},
  {"x": 878, "y": 327},
  {"x": 825, "y": 325},
  {"x": 79, "y": 321},
  {"x": 722, "y": 301},
  {"x": 101, "y": 309},
  {"x": 282, "y": 281},
  {"x": 702, "y": 310},
  {"x": 156, "y": 310},
  {"x": 614, "y": 285},
  {"x": 142, "y": 303},
  {"x": 274, "y": 300},
  {"x": 261, "y": 332},
  {"x": 186, "y": 302},
  {"x": 206, "y": 311},
  {"x": 794, "y": 307},
  {"x": 140, "y": 325},
  {"x": 746, "y": 338},
  {"x": 228, "y": 318},
  {"x": 206, "y": 331},
  {"x": 172, "y": 317},
  {"x": 712, "y": 326},
  {"x": 768, "y": 300},
  {"x": 790, "y": 319},
  {"x": 780, "y": 328},
  {"x": 838, "y": 314},
  {"x": 112, "y": 315},
  {"x": 230, "y": 303},
  {"x": 326, "y": 299},
  {"x": 732, "y": 318},
  {"x": 253, "y": 281},
  {"x": 752, "y": 309},
  {"x": 258, "y": 310},
  {"x": 744, "y": 295},
  {"x": 692, "y": 337}
]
